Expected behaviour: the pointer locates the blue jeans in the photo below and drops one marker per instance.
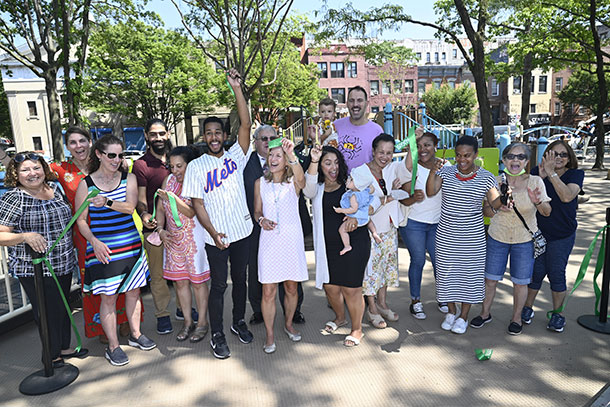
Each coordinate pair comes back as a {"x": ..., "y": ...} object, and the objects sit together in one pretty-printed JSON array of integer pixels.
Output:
[
  {"x": 418, "y": 237},
  {"x": 521, "y": 261},
  {"x": 553, "y": 264}
]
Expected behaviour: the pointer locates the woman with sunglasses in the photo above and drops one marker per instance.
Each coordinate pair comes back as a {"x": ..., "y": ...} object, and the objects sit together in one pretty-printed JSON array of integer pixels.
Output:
[
  {"x": 563, "y": 181},
  {"x": 32, "y": 216},
  {"x": 383, "y": 265},
  {"x": 69, "y": 174},
  {"x": 115, "y": 260},
  {"x": 524, "y": 194}
]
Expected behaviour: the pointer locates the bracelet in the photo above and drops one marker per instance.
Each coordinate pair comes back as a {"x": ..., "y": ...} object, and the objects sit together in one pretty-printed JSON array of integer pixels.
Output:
[
  {"x": 315, "y": 162},
  {"x": 536, "y": 204},
  {"x": 296, "y": 161},
  {"x": 260, "y": 221},
  {"x": 553, "y": 175}
]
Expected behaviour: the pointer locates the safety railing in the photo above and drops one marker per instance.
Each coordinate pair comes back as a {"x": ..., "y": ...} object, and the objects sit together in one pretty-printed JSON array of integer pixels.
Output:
[
  {"x": 295, "y": 132},
  {"x": 13, "y": 298}
]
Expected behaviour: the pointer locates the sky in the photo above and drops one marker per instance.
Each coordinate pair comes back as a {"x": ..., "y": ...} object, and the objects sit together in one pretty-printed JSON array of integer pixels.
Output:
[{"x": 420, "y": 10}]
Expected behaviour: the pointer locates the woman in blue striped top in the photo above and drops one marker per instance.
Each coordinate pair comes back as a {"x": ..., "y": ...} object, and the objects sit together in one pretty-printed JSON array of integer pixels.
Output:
[{"x": 114, "y": 262}]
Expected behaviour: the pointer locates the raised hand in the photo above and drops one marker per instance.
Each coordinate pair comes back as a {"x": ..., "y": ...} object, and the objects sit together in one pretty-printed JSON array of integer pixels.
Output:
[
  {"x": 234, "y": 78},
  {"x": 316, "y": 153},
  {"x": 288, "y": 147}
]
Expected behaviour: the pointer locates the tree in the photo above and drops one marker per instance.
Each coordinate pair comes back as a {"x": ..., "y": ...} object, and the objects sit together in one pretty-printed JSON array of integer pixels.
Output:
[
  {"x": 296, "y": 84},
  {"x": 583, "y": 89},
  {"x": 142, "y": 71},
  {"x": 52, "y": 30},
  {"x": 242, "y": 34},
  {"x": 448, "y": 105},
  {"x": 5, "y": 117}
]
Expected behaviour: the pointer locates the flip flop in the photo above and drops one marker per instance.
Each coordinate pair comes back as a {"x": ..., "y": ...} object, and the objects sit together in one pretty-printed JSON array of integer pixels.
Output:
[
  {"x": 352, "y": 339},
  {"x": 330, "y": 327},
  {"x": 80, "y": 354}
]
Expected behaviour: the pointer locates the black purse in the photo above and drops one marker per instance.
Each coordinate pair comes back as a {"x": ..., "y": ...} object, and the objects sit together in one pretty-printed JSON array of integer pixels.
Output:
[{"x": 537, "y": 237}]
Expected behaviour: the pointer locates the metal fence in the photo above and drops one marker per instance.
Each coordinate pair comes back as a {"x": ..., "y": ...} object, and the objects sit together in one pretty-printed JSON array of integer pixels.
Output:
[{"x": 13, "y": 300}]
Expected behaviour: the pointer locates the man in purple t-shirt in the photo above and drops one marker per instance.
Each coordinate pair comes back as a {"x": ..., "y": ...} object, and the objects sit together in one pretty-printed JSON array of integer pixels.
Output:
[{"x": 356, "y": 132}]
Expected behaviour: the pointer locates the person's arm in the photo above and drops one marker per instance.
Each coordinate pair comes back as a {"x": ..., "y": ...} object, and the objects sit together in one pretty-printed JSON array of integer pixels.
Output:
[
  {"x": 266, "y": 224},
  {"x": 311, "y": 179},
  {"x": 353, "y": 207},
  {"x": 131, "y": 198},
  {"x": 493, "y": 198},
  {"x": 9, "y": 238},
  {"x": 182, "y": 206},
  {"x": 204, "y": 218},
  {"x": 245, "y": 123},
  {"x": 565, "y": 192},
  {"x": 418, "y": 196},
  {"x": 101, "y": 250},
  {"x": 293, "y": 162},
  {"x": 538, "y": 199}
]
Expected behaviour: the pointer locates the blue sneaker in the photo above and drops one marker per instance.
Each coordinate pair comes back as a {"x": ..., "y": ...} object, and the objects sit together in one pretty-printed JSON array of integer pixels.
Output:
[
  {"x": 527, "y": 314},
  {"x": 556, "y": 323},
  {"x": 164, "y": 325},
  {"x": 194, "y": 315}
]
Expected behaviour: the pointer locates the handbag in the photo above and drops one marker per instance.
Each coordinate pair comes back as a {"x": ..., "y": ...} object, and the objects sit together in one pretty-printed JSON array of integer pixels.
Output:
[{"x": 537, "y": 237}]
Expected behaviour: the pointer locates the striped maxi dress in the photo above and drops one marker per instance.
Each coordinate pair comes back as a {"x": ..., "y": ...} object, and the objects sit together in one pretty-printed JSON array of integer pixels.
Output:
[
  {"x": 460, "y": 237},
  {"x": 128, "y": 267}
]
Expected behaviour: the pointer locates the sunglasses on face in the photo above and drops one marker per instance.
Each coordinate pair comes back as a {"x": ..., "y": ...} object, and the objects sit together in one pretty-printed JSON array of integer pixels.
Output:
[
  {"x": 383, "y": 186},
  {"x": 19, "y": 158},
  {"x": 112, "y": 156},
  {"x": 562, "y": 155},
  {"x": 520, "y": 157},
  {"x": 264, "y": 138}
]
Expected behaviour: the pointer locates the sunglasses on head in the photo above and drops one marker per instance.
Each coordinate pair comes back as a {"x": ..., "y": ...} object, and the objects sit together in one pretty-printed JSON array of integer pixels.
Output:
[
  {"x": 520, "y": 157},
  {"x": 383, "y": 187},
  {"x": 21, "y": 157},
  {"x": 112, "y": 156},
  {"x": 562, "y": 155}
]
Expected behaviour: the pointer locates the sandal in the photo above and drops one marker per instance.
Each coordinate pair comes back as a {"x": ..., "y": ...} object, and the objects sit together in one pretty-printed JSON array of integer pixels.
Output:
[
  {"x": 330, "y": 327},
  {"x": 355, "y": 341},
  {"x": 184, "y": 333},
  {"x": 388, "y": 314},
  {"x": 376, "y": 320},
  {"x": 199, "y": 333}
]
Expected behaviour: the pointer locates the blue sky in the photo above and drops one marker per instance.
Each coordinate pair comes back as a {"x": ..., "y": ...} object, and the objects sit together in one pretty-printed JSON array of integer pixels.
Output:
[{"x": 420, "y": 10}]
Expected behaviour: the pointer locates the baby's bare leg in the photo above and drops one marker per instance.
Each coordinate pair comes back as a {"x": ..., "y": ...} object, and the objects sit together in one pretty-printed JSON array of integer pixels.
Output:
[
  {"x": 373, "y": 231},
  {"x": 345, "y": 239}
]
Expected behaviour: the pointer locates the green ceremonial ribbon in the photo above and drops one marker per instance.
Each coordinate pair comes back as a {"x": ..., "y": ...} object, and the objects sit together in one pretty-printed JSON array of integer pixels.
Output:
[
  {"x": 483, "y": 354},
  {"x": 173, "y": 206},
  {"x": 229, "y": 85},
  {"x": 599, "y": 264},
  {"x": 46, "y": 261},
  {"x": 414, "y": 157},
  {"x": 277, "y": 142}
]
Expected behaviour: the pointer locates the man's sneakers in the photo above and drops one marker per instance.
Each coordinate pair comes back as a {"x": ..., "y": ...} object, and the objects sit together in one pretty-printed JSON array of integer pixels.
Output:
[
  {"x": 557, "y": 322},
  {"x": 241, "y": 330},
  {"x": 219, "y": 346},
  {"x": 143, "y": 342},
  {"x": 514, "y": 328},
  {"x": 194, "y": 315},
  {"x": 164, "y": 325},
  {"x": 116, "y": 357},
  {"x": 527, "y": 314},
  {"x": 479, "y": 321},
  {"x": 417, "y": 310}
]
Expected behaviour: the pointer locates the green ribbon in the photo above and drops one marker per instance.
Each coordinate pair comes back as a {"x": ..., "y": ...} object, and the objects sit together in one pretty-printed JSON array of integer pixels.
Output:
[
  {"x": 483, "y": 354},
  {"x": 414, "y": 157},
  {"x": 173, "y": 206},
  {"x": 583, "y": 270},
  {"x": 46, "y": 261},
  {"x": 277, "y": 142},
  {"x": 229, "y": 85}
]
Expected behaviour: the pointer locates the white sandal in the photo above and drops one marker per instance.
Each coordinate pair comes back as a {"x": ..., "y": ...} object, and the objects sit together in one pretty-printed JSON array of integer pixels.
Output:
[
  {"x": 388, "y": 314},
  {"x": 376, "y": 320}
]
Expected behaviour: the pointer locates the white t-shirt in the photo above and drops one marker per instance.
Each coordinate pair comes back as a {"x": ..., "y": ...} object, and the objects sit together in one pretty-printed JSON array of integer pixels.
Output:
[
  {"x": 428, "y": 210},
  {"x": 219, "y": 181}
]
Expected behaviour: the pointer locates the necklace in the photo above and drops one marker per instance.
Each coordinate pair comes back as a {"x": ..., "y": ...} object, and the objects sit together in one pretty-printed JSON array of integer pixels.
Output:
[
  {"x": 276, "y": 199},
  {"x": 466, "y": 177}
]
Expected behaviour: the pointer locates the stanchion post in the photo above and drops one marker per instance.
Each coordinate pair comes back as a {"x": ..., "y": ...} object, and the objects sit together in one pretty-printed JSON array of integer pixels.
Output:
[{"x": 43, "y": 325}]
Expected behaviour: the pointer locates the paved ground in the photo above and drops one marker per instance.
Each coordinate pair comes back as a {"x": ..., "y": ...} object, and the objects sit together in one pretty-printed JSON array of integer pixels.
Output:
[{"x": 411, "y": 362}]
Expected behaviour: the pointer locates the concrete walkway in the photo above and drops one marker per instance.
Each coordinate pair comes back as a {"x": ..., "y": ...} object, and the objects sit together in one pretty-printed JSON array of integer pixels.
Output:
[{"x": 411, "y": 363}]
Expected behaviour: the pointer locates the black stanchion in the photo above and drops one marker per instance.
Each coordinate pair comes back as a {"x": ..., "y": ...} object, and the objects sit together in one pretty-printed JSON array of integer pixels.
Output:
[
  {"x": 49, "y": 379},
  {"x": 592, "y": 322}
]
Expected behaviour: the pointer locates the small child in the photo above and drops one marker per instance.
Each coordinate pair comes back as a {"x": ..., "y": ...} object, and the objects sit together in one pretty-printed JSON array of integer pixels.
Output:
[
  {"x": 326, "y": 111},
  {"x": 355, "y": 204}
]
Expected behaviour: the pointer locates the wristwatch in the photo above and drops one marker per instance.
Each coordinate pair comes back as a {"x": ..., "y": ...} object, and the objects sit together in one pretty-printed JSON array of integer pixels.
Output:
[{"x": 109, "y": 203}]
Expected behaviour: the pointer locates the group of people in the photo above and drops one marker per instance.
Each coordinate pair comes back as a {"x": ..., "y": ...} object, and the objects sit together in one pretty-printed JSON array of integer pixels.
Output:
[{"x": 244, "y": 205}]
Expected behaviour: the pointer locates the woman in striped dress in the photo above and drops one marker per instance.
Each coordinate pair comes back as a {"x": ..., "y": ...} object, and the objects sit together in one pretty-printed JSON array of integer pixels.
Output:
[
  {"x": 460, "y": 237},
  {"x": 114, "y": 262}
]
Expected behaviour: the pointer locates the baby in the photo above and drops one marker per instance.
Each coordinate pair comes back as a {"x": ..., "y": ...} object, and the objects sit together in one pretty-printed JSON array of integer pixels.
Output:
[
  {"x": 326, "y": 111},
  {"x": 355, "y": 204}
]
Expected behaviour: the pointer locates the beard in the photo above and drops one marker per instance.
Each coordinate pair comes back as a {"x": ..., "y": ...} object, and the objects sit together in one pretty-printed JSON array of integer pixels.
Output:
[{"x": 160, "y": 150}]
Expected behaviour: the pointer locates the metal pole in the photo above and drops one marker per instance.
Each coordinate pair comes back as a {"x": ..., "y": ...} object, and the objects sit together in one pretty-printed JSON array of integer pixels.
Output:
[
  {"x": 603, "y": 304},
  {"x": 43, "y": 325}
]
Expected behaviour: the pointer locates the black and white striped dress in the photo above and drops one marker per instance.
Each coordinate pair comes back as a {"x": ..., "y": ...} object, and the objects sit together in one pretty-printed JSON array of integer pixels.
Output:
[{"x": 460, "y": 237}]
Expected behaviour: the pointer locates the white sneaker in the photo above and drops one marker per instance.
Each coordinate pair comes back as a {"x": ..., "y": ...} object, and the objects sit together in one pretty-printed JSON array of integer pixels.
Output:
[
  {"x": 460, "y": 326},
  {"x": 417, "y": 310},
  {"x": 448, "y": 322},
  {"x": 442, "y": 307}
]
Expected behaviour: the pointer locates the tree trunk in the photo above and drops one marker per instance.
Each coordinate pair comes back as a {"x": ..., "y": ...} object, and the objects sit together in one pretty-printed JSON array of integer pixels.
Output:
[
  {"x": 50, "y": 84},
  {"x": 526, "y": 92},
  {"x": 603, "y": 88},
  {"x": 65, "y": 46},
  {"x": 188, "y": 127}
]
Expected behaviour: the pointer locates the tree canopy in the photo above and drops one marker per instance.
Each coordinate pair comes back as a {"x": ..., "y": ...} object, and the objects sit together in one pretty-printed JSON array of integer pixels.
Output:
[
  {"x": 449, "y": 105},
  {"x": 583, "y": 89}
]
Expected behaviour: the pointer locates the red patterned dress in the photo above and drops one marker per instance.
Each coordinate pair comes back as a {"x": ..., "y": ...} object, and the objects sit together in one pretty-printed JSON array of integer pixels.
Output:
[
  {"x": 184, "y": 257},
  {"x": 69, "y": 176}
]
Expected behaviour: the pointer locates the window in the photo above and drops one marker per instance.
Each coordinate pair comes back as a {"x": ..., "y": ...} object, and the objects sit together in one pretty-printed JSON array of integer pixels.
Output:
[
  {"x": 437, "y": 84},
  {"x": 352, "y": 70},
  {"x": 427, "y": 57},
  {"x": 338, "y": 94},
  {"x": 386, "y": 87},
  {"x": 495, "y": 87},
  {"x": 409, "y": 86},
  {"x": 436, "y": 57},
  {"x": 337, "y": 70},
  {"x": 444, "y": 56},
  {"x": 398, "y": 87},
  {"x": 557, "y": 108},
  {"x": 454, "y": 53},
  {"x": 533, "y": 108},
  {"x": 37, "y": 141},
  {"x": 32, "y": 109},
  {"x": 323, "y": 68},
  {"x": 570, "y": 109},
  {"x": 421, "y": 87},
  {"x": 542, "y": 84},
  {"x": 451, "y": 84},
  {"x": 517, "y": 85},
  {"x": 374, "y": 109},
  {"x": 533, "y": 84},
  {"x": 418, "y": 56},
  {"x": 374, "y": 88},
  {"x": 558, "y": 84}
]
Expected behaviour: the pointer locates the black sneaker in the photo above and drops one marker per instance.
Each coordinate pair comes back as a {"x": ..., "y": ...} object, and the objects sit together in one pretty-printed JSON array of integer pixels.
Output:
[
  {"x": 478, "y": 321},
  {"x": 164, "y": 325},
  {"x": 241, "y": 330},
  {"x": 219, "y": 346},
  {"x": 117, "y": 357},
  {"x": 194, "y": 315},
  {"x": 143, "y": 342},
  {"x": 526, "y": 315},
  {"x": 514, "y": 328}
]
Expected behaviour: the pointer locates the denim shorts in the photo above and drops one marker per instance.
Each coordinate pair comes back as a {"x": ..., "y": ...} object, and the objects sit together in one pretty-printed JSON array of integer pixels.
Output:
[
  {"x": 521, "y": 261},
  {"x": 553, "y": 263}
]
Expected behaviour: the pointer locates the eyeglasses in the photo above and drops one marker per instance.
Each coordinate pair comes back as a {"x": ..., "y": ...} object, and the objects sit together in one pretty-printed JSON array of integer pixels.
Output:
[
  {"x": 562, "y": 154},
  {"x": 112, "y": 156},
  {"x": 157, "y": 133},
  {"x": 520, "y": 157},
  {"x": 21, "y": 157},
  {"x": 383, "y": 187},
  {"x": 263, "y": 138}
]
